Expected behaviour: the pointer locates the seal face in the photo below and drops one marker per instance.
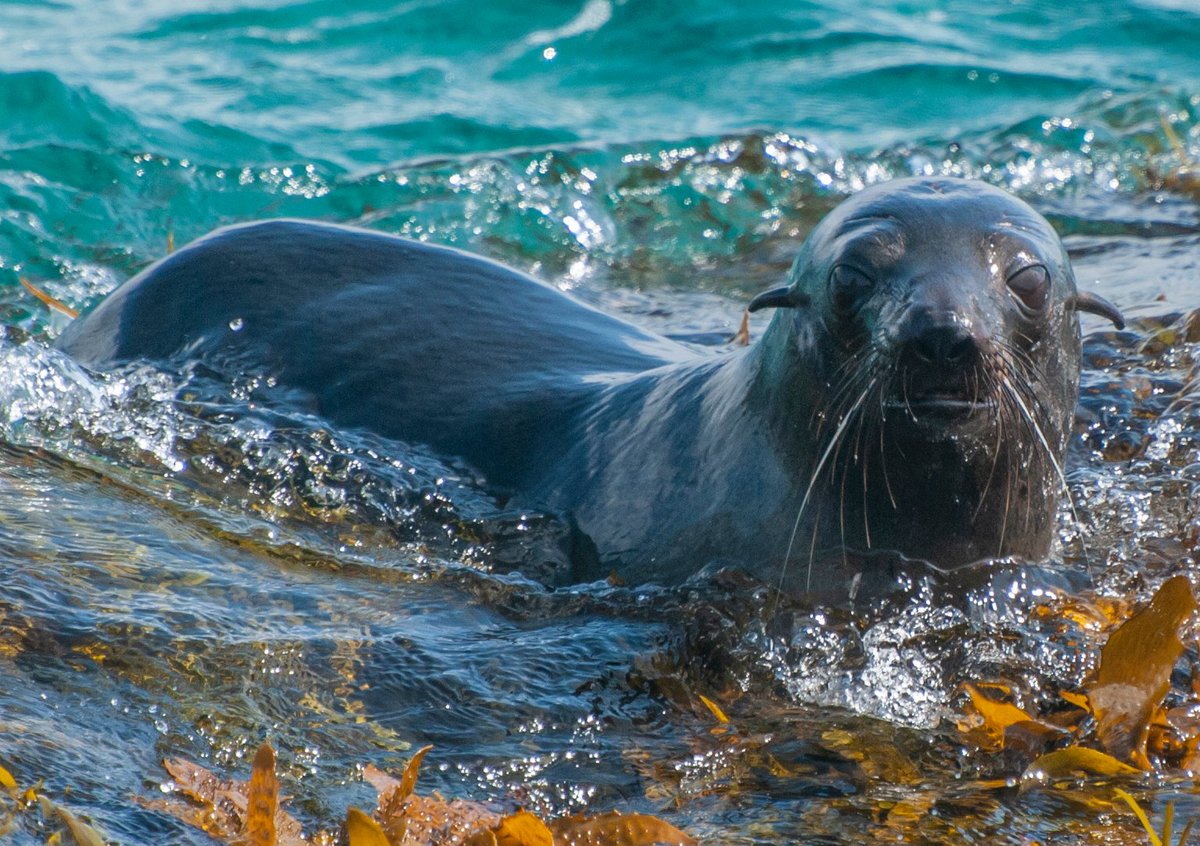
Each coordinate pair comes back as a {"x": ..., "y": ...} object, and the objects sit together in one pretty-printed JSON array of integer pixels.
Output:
[
  {"x": 912, "y": 395},
  {"x": 935, "y": 332},
  {"x": 948, "y": 326}
]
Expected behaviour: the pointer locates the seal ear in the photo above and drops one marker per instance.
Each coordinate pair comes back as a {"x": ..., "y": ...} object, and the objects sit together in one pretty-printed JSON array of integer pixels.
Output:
[
  {"x": 1095, "y": 304},
  {"x": 785, "y": 297}
]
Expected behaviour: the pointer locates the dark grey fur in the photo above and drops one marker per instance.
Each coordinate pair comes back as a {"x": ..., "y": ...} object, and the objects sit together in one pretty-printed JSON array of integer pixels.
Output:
[{"x": 904, "y": 398}]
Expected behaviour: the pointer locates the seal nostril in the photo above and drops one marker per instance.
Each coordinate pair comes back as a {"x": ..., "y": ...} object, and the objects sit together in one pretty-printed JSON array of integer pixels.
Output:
[
  {"x": 960, "y": 350},
  {"x": 943, "y": 347}
]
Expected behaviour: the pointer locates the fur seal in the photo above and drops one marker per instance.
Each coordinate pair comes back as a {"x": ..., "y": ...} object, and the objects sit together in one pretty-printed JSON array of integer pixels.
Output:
[{"x": 913, "y": 393}]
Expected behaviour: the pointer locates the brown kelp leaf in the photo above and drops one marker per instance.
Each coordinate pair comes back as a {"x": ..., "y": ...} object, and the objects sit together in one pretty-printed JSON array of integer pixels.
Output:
[
  {"x": 197, "y": 816},
  {"x": 83, "y": 833},
  {"x": 224, "y": 805},
  {"x": 422, "y": 820},
  {"x": 392, "y": 813},
  {"x": 997, "y": 716},
  {"x": 1001, "y": 725},
  {"x": 1073, "y": 762},
  {"x": 408, "y": 781},
  {"x": 714, "y": 709},
  {"x": 1164, "y": 836},
  {"x": 193, "y": 780},
  {"x": 381, "y": 781},
  {"x": 902, "y": 816},
  {"x": 218, "y": 813},
  {"x": 519, "y": 829},
  {"x": 613, "y": 829},
  {"x": 1135, "y": 670},
  {"x": 1178, "y": 745},
  {"x": 1140, "y": 813},
  {"x": 262, "y": 798},
  {"x": 876, "y": 753},
  {"x": 361, "y": 830},
  {"x": 742, "y": 337},
  {"x": 522, "y": 829},
  {"x": 1095, "y": 613},
  {"x": 1079, "y": 700},
  {"x": 1032, "y": 737},
  {"x": 47, "y": 300},
  {"x": 392, "y": 808}
]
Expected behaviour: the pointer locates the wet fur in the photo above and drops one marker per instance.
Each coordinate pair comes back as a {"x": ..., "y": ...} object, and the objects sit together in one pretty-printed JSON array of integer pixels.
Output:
[{"x": 668, "y": 463}]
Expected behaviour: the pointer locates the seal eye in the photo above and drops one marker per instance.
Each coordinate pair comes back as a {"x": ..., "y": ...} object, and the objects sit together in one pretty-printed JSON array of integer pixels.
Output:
[
  {"x": 1031, "y": 285},
  {"x": 848, "y": 287}
]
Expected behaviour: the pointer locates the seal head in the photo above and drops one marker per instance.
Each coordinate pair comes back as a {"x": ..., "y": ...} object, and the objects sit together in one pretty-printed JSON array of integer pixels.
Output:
[{"x": 931, "y": 324}]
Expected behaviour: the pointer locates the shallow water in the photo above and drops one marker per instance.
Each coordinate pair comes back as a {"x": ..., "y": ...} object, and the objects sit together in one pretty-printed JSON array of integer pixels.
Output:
[{"x": 185, "y": 578}]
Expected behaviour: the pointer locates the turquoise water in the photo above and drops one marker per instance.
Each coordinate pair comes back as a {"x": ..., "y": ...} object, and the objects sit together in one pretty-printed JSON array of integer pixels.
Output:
[{"x": 180, "y": 580}]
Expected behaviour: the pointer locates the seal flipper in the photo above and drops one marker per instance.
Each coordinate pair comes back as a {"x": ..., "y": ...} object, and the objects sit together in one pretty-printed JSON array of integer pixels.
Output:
[
  {"x": 785, "y": 297},
  {"x": 1096, "y": 304}
]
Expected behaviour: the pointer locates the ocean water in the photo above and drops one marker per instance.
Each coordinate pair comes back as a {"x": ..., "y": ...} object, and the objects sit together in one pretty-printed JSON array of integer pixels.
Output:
[{"x": 180, "y": 579}]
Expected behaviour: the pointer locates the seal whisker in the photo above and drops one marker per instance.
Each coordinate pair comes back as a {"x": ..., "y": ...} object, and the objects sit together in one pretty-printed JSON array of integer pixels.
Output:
[
  {"x": 1022, "y": 412},
  {"x": 836, "y": 464},
  {"x": 842, "y": 410},
  {"x": 904, "y": 391},
  {"x": 841, "y": 518},
  {"x": 844, "y": 377},
  {"x": 833, "y": 441},
  {"x": 995, "y": 461},
  {"x": 866, "y": 509},
  {"x": 867, "y": 360},
  {"x": 1008, "y": 489},
  {"x": 1004, "y": 414},
  {"x": 812, "y": 551},
  {"x": 1054, "y": 462},
  {"x": 857, "y": 453},
  {"x": 1008, "y": 418},
  {"x": 1023, "y": 402},
  {"x": 880, "y": 425},
  {"x": 844, "y": 399},
  {"x": 862, "y": 455},
  {"x": 887, "y": 482}
]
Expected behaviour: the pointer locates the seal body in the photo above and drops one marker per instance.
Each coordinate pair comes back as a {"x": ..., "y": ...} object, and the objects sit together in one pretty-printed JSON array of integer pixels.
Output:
[{"x": 912, "y": 395}]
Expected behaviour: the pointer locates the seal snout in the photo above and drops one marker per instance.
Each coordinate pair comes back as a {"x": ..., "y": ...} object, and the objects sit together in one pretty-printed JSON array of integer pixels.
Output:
[
  {"x": 939, "y": 363},
  {"x": 945, "y": 346}
]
